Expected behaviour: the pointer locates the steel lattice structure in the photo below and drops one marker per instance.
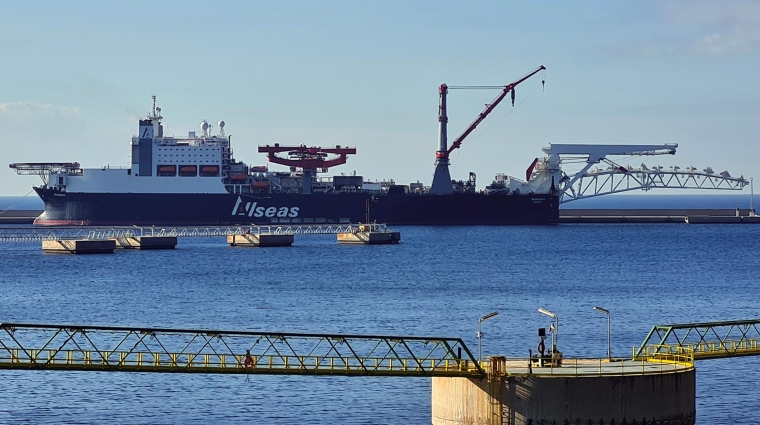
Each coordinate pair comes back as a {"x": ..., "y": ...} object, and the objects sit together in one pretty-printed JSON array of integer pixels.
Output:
[
  {"x": 124, "y": 349},
  {"x": 37, "y": 234},
  {"x": 618, "y": 179},
  {"x": 709, "y": 340}
]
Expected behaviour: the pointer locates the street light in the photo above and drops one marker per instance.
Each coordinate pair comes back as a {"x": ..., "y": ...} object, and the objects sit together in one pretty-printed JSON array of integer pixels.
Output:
[
  {"x": 751, "y": 198},
  {"x": 607, "y": 312},
  {"x": 555, "y": 334},
  {"x": 481, "y": 320},
  {"x": 371, "y": 200}
]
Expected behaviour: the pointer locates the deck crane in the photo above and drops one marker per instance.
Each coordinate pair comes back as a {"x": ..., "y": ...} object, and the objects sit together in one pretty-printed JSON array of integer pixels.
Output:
[{"x": 442, "y": 177}]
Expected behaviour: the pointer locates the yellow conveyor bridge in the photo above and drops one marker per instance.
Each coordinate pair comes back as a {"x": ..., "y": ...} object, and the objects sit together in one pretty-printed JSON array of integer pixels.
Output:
[
  {"x": 708, "y": 340},
  {"x": 127, "y": 349}
]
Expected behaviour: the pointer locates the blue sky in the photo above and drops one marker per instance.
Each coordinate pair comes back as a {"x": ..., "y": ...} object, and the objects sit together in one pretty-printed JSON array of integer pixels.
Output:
[{"x": 76, "y": 76}]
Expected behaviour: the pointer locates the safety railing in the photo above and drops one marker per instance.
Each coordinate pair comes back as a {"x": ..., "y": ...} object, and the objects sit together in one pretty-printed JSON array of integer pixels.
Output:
[
  {"x": 576, "y": 367},
  {"x": 732, "y": 338},
  {"x": 665, "y": 353},
  {"x": 730, "y": 348},
  {"x": 36, "y": 234},
  {"x": 68, "y": 347},
  {"x": 224, "y": 363}
]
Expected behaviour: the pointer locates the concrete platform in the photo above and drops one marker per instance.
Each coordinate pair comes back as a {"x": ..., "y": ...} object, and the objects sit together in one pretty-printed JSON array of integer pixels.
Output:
[
  {"x": 366, "y": 235},
  {"x": 579, "y": 392},
  {"x": 146, "y": 242},
  {"x": 262, "y": 240},
  {"x": 19, "y": 216},
  {"x": 723, "y": 220},
  {"x": 79, "y": 246},
  {"x": 612, "y": 216}
]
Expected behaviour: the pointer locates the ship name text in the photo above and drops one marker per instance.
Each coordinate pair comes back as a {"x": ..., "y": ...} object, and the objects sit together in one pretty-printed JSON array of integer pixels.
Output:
[{"x": 251, "y": 209}]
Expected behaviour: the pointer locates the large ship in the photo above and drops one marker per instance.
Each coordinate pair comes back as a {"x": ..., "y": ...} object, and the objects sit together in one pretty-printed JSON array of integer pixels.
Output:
[{"x": 196, "y": 180}]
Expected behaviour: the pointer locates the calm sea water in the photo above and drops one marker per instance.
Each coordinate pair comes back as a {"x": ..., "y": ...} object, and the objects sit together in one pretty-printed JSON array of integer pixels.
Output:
[{"x": 437, "y": 282}]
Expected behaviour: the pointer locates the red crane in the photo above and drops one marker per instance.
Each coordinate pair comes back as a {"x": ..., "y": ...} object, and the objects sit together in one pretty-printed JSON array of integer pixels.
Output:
[
  {"x": 307, "y": 158},
  {"x": 489, "y": 108},
  {"x": 442, "y": 178}
]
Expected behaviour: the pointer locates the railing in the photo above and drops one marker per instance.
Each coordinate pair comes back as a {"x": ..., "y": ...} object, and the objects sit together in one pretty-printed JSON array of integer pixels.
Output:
[
  {"x": 720, "y": 349},
  {"x": 674, "y": 360},
  {"x": 37, "y": 234},
  {"x": 665, "y": 354},
  {"x": 126, "y": 361},
  {"x": 119, "y": 349},
  {"x": 708, "y": 340}
]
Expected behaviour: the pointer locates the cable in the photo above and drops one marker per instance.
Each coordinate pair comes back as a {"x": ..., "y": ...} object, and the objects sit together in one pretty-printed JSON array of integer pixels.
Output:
[
  {"x": 16, "y": 201},
  {"x": 497, "y": 121}
]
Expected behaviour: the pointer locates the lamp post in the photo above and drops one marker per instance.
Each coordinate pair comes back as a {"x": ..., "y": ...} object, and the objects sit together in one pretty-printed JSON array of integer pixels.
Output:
[
  {"x": 607, "y": 312},
  {"x": 371, "y": 200},
  {"x": 751, "y": 198},
  {"x": 555, "y": 334},
  {"x": 480, "y": 335}
]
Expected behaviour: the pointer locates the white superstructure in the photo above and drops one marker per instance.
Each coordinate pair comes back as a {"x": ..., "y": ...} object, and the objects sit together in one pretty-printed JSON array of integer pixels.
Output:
[{"x": 162, "y": 164}]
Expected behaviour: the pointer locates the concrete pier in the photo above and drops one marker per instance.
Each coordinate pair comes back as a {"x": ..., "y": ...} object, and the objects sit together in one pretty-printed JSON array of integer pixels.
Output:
[
  {"x": 19, "y": 216},
  {"x": 753, "y": 219},
  {"x": 368, "y": 235},
  {"x": 146, "y": 242},
  {"x": 79, "y": 246},
  {"x": 585, "y": 392},
  {"x": 674, "y": 215},
  {"x": 260, "y": 240}
]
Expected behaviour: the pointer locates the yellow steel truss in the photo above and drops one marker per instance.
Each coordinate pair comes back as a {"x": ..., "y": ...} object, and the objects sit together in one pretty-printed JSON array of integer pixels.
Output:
[
  {"x": 709, "y": 340},
  {"x": 100, "y": 348}
]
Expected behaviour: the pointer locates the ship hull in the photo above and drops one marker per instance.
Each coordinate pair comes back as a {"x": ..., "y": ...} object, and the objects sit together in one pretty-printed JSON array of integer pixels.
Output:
[{"x": 119, "y": 209}]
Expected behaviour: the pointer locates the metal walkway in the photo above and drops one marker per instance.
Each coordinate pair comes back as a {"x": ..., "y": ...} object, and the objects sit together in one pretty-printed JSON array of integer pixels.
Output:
[
  {"x": 709, "y": 340},
  {"x": 123, "y": 349},
  {"x": 37, "y": 234}
]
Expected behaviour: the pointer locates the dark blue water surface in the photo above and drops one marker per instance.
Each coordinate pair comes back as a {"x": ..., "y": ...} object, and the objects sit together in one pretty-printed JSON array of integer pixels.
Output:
[{"x": 439, "y": 281}]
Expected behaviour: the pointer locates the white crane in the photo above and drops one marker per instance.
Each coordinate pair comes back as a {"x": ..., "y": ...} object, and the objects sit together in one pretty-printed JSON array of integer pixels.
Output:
[{"x": 547, "y": 176}]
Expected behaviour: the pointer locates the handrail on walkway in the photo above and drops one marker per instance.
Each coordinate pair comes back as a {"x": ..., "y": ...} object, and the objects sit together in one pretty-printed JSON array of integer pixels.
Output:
[
  {"x": 139, "y": 349},
  {"x": 37, "y": 234},
  {"x": 708, "y": 340}
]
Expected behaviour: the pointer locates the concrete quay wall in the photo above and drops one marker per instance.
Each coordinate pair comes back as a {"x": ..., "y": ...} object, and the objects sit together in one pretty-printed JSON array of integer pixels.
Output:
[{"x": 612, "y": 216}]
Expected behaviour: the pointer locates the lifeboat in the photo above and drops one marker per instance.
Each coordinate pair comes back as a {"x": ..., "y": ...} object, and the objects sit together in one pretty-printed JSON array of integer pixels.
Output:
[
  {"x": 210, "y": 169},
  {"x": 260, "y": 185},
  {"x": 238, "y": 177},
  {"x": 188, "y": 169},
  {"x": 259, "y": 169},
  {"x": 168, "y": 169}
]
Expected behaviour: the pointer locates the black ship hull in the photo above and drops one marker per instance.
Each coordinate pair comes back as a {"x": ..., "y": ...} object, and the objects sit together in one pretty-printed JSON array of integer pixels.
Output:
[{"x": 145, "y": 209}]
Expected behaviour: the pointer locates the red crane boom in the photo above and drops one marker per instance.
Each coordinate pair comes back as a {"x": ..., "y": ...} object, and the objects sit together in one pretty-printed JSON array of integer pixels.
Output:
[{"x": 489, "y": 108}]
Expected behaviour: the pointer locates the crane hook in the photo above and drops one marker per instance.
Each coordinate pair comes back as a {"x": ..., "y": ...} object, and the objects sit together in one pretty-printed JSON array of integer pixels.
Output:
[
  {"x": 543, "y": 80},
  {"x": 513, "y": 97}
]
